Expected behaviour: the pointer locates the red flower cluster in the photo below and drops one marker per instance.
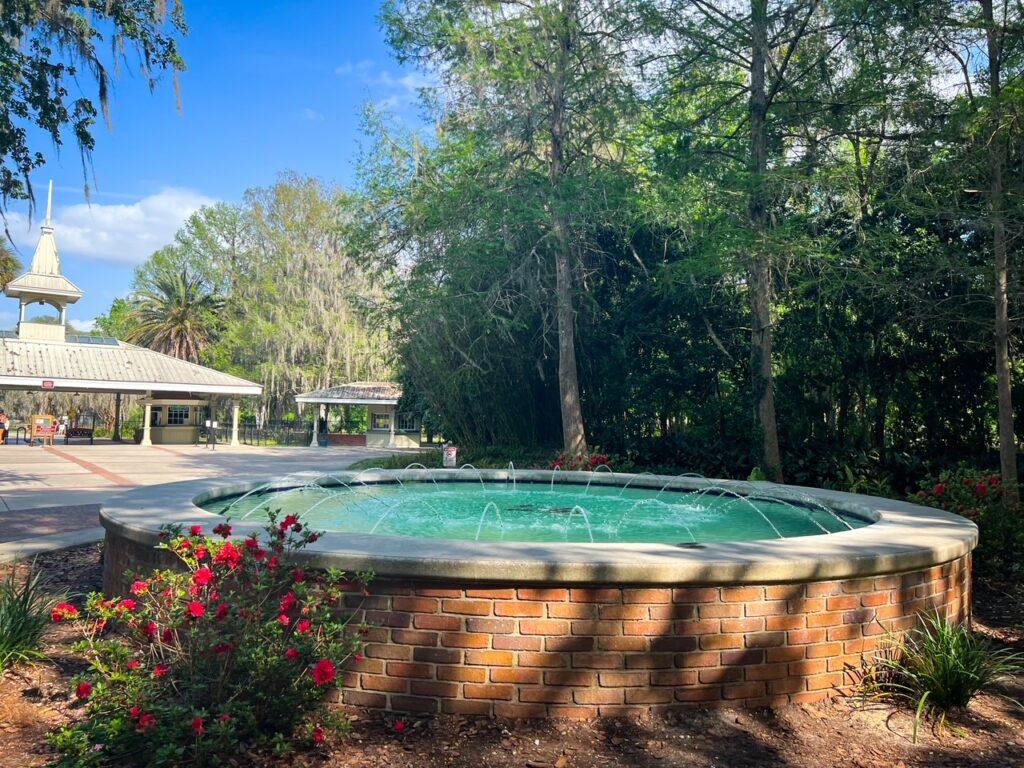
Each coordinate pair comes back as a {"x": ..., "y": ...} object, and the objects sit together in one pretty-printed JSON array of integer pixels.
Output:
[
  {"x": 63, "y": 612},
  {"x": 324, "y": 672},
  {"x": 84, "y": 690}
]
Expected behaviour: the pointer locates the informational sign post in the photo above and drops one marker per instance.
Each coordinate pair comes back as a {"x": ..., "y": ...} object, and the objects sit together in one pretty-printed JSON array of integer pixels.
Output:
[
  {"x": 42, "y": 427},
  {"x": 449, "y": 456}
]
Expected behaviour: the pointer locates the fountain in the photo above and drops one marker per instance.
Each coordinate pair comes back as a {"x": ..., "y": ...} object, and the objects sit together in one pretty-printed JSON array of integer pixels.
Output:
[{"x": 528, "y": 593}]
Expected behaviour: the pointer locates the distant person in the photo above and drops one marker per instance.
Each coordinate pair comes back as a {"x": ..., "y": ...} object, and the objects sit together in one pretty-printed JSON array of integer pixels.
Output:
[
  {"x": 5, "y": 426},
  {"x": 62, "y": 427}
]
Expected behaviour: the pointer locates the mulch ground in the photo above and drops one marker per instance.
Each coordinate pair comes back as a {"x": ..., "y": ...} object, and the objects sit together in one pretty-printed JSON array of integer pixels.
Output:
[{"x": 845, "y": 732}]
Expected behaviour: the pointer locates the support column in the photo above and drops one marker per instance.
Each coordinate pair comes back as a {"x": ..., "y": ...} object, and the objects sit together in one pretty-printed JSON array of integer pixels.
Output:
[
  {"x": 314, "y": 417},
  {"x": 117, "y": 418},
  {"x": 146, "y": 416},
  {"x": 235, "y": 407},
  {"x": 394, "y": 417}
]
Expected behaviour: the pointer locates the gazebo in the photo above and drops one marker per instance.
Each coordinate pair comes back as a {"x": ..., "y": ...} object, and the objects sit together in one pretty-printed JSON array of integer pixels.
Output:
[
  {"x": 386, "y": 427},
  {"x": 44, "y": 357}
]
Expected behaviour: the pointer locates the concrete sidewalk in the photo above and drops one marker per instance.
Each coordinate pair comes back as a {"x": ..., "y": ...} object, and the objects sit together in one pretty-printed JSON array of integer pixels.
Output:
[{"x": 57, "y": 491}]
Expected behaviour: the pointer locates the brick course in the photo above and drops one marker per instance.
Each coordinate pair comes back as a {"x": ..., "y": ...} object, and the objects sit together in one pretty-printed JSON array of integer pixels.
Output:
[{"x": 581, "y": 651}]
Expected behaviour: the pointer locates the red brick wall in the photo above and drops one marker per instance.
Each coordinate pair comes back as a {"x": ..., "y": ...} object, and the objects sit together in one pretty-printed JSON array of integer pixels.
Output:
[{"x": 586, "y": 652}]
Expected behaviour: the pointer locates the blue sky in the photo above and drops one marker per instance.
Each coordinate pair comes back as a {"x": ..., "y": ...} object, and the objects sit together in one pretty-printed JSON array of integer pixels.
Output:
[{"x": 271, "y": 86}]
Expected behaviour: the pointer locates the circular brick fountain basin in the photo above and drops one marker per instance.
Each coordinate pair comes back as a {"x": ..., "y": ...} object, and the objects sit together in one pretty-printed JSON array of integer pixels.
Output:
[{"x": 585, "y": 630}]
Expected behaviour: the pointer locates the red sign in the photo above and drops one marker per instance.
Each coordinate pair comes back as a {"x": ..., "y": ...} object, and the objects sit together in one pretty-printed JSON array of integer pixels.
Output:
[{"x": 47, "y": 384}]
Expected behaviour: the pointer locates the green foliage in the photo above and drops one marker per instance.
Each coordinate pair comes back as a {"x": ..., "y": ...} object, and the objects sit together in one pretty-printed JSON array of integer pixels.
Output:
[
  {"x": 940, "y": 666},
  {"x": 235, "y": 650},
  {"x": 982, "y": 498},
  {"x": 49, "y": 49},
  {"x": 175, "y": 315},
  {"x": 24, "y": 616}
]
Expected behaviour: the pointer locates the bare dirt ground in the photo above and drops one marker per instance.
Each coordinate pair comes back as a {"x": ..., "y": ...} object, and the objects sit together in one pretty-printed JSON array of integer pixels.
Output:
[{"x": 845, "y": 732}]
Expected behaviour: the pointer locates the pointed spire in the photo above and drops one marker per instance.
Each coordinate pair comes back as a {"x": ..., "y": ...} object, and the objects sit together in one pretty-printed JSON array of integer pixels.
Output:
[
  {"x": 44, "y": 280},
  {"x": 49, "y": 206}
]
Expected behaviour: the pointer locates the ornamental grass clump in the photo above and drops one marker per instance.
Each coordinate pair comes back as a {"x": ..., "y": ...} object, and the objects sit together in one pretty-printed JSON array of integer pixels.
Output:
[
  {"x": 24, "y": 616},
  {"x": 235, "y": 651},
  {"x": 939, "y": 667}
]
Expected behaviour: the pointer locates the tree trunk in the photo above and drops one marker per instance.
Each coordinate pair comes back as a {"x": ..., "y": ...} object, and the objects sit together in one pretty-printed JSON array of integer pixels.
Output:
[
  {"x": 574, "y": 439},
  {"x": 997, "y": 202},
  {"x": 760, "y": 270}
]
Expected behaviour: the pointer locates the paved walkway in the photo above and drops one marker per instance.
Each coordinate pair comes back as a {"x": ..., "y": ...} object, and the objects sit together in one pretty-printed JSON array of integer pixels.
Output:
[{"x": 54, "y": 492}]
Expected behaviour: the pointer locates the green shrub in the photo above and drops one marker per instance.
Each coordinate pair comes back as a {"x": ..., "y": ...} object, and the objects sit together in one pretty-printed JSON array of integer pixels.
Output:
[
  {"x": 982, "y": 498},
  {"x": 940, "y": 666},
  {"x": 24, "y": 615},
  {"x": 235, "y": 650}
]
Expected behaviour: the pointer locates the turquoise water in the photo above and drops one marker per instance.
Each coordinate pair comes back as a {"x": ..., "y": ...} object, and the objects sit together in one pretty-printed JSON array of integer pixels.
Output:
[{"x": 540, "y": 513}]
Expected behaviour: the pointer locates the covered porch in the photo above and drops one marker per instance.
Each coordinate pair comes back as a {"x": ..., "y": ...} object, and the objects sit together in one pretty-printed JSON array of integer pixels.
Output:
[{"x": 385, "y": 427}]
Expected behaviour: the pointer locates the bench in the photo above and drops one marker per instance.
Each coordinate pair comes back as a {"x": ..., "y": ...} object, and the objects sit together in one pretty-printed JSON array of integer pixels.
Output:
[{"x": 75, "y": 432}]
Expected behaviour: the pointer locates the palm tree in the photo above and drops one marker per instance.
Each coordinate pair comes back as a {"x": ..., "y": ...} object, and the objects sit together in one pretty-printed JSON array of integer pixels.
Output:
[
  {"x": 9, "y": 264},
  {"x": 175, "y": 315}
]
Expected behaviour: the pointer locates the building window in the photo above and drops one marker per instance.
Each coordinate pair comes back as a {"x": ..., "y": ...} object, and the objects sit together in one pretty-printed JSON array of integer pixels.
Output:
[
  {"x": 380, "y": 422},
  {"x": 407, "y": 422},
  {"x": 177, "y": 415}
]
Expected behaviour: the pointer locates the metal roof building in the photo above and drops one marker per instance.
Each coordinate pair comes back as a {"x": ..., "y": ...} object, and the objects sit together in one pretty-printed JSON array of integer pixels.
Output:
[{"x": 43, "y": 357}]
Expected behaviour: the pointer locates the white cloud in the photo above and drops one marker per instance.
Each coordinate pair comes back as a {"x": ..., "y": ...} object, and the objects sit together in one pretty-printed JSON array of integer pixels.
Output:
[
  {"x": 362, "y": 66},
  {"x": 391, "y": 91},
  {"x": 311, "y": 114},
  {"x": 8, "y": 320},
  {"x": 82, "y": 325},
  {"x": 114, "y": 233}
]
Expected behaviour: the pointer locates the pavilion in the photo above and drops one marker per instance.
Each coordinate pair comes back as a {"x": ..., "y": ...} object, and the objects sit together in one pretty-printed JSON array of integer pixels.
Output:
[
  {"x": 387, "y": 428},
  {"x": 44, "y": 357}
]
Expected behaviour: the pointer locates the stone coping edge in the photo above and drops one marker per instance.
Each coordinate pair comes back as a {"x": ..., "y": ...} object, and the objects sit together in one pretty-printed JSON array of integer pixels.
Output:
[
  {"x": 22, "y": 548},
  {"x": 904, "y": 536}
]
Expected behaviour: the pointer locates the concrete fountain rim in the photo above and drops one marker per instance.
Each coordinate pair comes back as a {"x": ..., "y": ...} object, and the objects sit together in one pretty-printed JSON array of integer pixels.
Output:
[{"x": 904, "y": 537}]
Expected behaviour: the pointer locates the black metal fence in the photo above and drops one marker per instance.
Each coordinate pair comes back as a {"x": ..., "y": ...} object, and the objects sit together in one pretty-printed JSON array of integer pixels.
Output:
[{"x": 249, "y": 433}]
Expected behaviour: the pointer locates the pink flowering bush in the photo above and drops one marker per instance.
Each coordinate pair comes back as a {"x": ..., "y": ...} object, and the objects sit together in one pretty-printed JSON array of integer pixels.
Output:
[{"x": 237, "y": 649}]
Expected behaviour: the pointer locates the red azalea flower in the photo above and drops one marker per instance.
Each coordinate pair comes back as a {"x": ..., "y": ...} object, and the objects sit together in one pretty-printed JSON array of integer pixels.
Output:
[
  {"x": 298, "y": 575},
  {"x": 324, "y": 672},
  {"x": 185, "y": 544},
  {"x": 146, "y": 722},
  {"x": 84, "y": 690},
  {"x": 287, "y": 602},
  {"x": 273, "y": 562},
  {"x": 139, "y": 587},
  {"x": 229, "y": 555},
  {"x": 313, "y": 537},
  {"x": 222, "y": 529},
  {"x": 302, "y": 626},
  {"x": 195, "y": 609},
  {"x": 318, "y": 735},
  {"x": 196, "y": 530},
  {"x": 297, "y": 528},
  {"x": 259, "y": 554},
  {"x": 981, "y": 489},
  {"x": 222, "y": 611},
  {"x": 288, "y": 522},
  {"x": 197, "y": 725},
  {"x": 994, "y": 480},
  {"x": 63, "y": 612},
  {"x": 283, "y": 620},
  {"x": 225, "y": 718},
  {"x": 252, "y": 542},
  {"x": 134, "y": 712},
  {"x": 126, "y": 605},
  {"x": 134, "y": 664},
  {"x": 224, "y": 648},
  {"x": 148, "y": 629},
  {"x": 939, "y": 489},
  {"x": 167, "y": 635},
  {"x": 358, "y": 657},
  {"x": 400, "y": 725},
  {"x": 291, "y": 654},
  {"x": 202, "y": 576},
  {"x": 201, "y": 552},
  {"x": 161, "y": 669}
]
